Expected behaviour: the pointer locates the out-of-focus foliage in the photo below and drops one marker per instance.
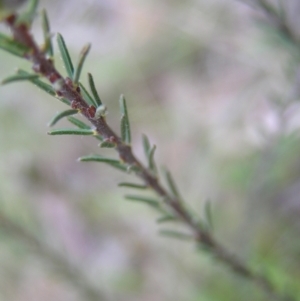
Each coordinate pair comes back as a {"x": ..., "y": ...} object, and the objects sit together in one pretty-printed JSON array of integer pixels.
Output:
[{"x": 216, "y": 87}]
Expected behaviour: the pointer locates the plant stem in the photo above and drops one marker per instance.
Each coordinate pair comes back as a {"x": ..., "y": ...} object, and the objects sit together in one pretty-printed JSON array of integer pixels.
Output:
[{"x": 67, "y": 89}]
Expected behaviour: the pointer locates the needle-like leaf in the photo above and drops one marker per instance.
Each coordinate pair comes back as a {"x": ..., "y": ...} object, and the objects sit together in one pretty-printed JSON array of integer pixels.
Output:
[
  {"x": 175, "y": 234},
  {"x": 13, "y": 47},
  {"x": 79, "y": 123},
  {"x": 30, "y": 12},
  {"x": 19, "y": 77},
  {"x": 97, "y": 158},
  {"x": 83, "y": 54},
  {"x": 151, "y": 162},
  {"x": 125, "y": 126},
  {"x": 82, "y": 125},
  {"x": 166, "y": 218},
  {"x": 48, "y": 47},
  {"x": 149, "y": 201},
  {"x": 132, "y": 185},
  {"x": 149, "y": 153},
  {"x": 42, "y": 85},
  {"x": 94, "y": 90},
  {"x": 84, "y": 132},
  {"x": 146, "y": 145},
  {"x": 107, "y": 144},
  {"x": 61, "y": 115},
  {"x": 65, "y": 55},
  {"x": 87, "y": 97},
  {"x": 171, "y": 183}
]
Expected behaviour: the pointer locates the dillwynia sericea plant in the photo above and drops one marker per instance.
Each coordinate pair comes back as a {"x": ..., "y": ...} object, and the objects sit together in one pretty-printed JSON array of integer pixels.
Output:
[{"x": 86, "y": 102}]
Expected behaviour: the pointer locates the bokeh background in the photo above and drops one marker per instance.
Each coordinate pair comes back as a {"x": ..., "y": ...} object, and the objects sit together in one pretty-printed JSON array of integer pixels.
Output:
[{"x": 216, "y": 87}]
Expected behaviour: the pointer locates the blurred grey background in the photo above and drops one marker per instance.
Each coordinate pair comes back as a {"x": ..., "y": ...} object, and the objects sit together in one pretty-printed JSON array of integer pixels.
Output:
[{"x": 216, "y": 88}]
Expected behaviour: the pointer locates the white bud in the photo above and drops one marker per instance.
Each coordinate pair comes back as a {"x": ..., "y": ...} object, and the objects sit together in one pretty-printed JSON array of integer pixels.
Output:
[{"x": 101, "y": 111}]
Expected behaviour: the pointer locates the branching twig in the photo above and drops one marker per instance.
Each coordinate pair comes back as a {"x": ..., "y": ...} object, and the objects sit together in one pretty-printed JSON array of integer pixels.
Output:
[{"x": 68, "y": 89}]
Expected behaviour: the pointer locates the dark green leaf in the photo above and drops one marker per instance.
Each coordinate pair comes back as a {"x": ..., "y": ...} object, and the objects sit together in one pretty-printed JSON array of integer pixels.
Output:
[
  {"x": 48, "y": 47},
  {"x": 146, "y": 145},
  {"x": 97, "y": 158},
  {"x": 61, "y": 115},
  {"x": 82, "y": 125},
  {"x": 30, "y": 12},
  {"x": 79, "y": 123},
  {"x": 44, "y": 86},
  {"x": 107, "y": 144},
  {"x": 125, "y": 126},
  {"x": 166, "y": 218},
  {"x": 149, "y": 153},
  {"x": 152, "y": 165},
  {"x": 175, "y": 234},
  {"x": 149, "y": 201},
  {"x": 171, "y": 184},
  {"x": 19, "y": 77},
  {"x": 85, "y": 132},
  {"x": 83, "y": 54},
  {"x": 65, "y": 55},
  {"x": 87, "y": 97},
  {"x": 132, "y": 185},
  {"x": 133, "y": 168},
  {"x": 13, "y": 47},
  {"x": 94, "y": 91}
]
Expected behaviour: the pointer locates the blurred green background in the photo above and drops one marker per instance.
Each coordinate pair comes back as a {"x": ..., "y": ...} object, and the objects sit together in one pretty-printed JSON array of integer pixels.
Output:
[{"x": 216, "y": 88}]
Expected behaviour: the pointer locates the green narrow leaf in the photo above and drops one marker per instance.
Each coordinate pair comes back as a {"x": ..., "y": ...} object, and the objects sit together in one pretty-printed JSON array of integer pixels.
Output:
[
  {"x": 94, "y": 90},
  {"x": 79, "y": 123},
  {"x": 47, "y": 34},
  {"x": 13, "y": 47},
  {"x": 84, "y": 132},
  {"x": 82, "y": 56},
  {"x": 149, "y": 153},
  {"x": 125, "y": 126},
  {"x": 149, "y": 201},
  {"x": 132, "y": 185},
  {"x": 146, "y": 145},
  {"x": 152, "y": 165},
  {"x": 175, "y": 234},
  {"x": 65, "y": 55},
  {"x": 87, "y": 97},
  {"x": 208, "y": 215},
  {"x": 97, "y": 158},
  {"x": 62, "y": 99},
  {"x": 61, "y": 115},
  {"x": 171, "y": 184},
  {"x": 30, "y": 12},
  {"x": 82, "y": 125},
  {"x": 107, "y": 144},
  {"x": 44, "y": 86},
  {"x": 166, "y": 218},
  {"x": 19, "y": 77}
]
